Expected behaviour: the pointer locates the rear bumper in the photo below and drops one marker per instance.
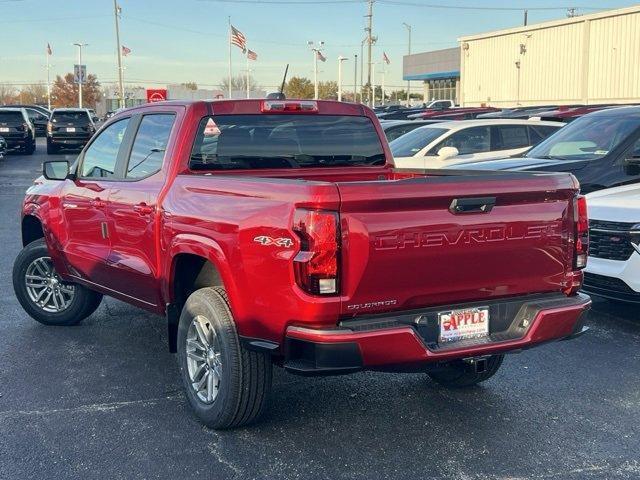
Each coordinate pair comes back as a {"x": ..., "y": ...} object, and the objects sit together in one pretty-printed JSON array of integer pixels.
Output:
[{"x": 405, "y": 340}]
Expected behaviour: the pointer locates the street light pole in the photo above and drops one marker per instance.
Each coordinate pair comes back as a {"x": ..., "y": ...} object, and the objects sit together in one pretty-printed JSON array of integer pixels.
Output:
[
  {"x": 340, "y": 60},
  {"x": 408, "y": 27},
  {"x": 80, "y": 77},
  {"x": 355, "y": 79},
  {"x": 116, "y": 11}
]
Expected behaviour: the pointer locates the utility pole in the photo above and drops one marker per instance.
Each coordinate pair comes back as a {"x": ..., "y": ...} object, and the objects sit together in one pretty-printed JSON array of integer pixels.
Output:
[
  {"x": 116, "y": 12},
  {"x": 316, "y": 52},
  {"x": 80, "y": 72},
  {"x": 408, "y": 27},
  {"x": 340, "y": 60},
  {"x": 362, "y": 69},
  {"x": 526, "y": 14},
  {"x": 48, "y": 81},
  {"x": 370, "y": 39},
  {"x": 355, "y": 79}
]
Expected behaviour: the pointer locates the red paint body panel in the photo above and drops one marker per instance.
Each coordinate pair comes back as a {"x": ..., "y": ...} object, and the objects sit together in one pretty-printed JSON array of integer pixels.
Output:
[{"x": 399, "y": 241}]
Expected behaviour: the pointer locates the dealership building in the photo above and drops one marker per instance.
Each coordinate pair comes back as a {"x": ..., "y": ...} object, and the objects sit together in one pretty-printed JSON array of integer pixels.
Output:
[{"x": 586, "y": 59}]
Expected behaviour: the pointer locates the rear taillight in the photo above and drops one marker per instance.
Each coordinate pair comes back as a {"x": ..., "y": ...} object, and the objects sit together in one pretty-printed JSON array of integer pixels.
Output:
[
  {"x": 289, "y": 106},
  {"x": 316, "y": 264},
  {"x": 581, "y": 232}
]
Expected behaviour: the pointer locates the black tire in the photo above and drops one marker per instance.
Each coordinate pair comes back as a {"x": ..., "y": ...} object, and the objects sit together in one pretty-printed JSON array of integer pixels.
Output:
[
  {"x": 245, "y": 380},
  {"x": 461, "y": 375},
  {"x": 31, "y": 148},
  {"x": 83, "y": 303},
  {"x": 51, "y": 149}
]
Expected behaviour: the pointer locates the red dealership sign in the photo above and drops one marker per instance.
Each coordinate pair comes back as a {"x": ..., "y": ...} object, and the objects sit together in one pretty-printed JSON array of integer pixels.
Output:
[{"x": 156, "y": 94}]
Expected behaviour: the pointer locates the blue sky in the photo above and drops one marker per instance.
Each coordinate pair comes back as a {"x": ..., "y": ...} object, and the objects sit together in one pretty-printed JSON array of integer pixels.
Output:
[{"x": 180, "y": 41}]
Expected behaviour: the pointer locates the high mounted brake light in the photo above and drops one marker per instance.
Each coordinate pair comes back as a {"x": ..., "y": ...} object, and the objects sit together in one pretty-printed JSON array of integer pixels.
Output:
[
  {"x": 582, "y": 232},
  {"x": 316, "y": 264},
  {"x": 288, "y": 106}
]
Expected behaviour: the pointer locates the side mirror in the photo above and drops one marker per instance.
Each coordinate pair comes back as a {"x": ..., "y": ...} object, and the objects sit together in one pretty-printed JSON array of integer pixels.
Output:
[
  {"x": 631, "y": 166},
  {"x": 447, "y": 152},
  {"x": 95, "y": 119},
  {"x": 55, "y": 170}
]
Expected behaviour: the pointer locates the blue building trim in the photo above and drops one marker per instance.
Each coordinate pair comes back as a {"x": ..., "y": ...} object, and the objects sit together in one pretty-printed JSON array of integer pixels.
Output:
[{"x": 433, "y": 76}]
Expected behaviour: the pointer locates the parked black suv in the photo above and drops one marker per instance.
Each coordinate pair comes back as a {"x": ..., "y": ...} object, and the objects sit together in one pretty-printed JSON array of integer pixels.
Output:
[
  {"x": 17, "y": 130},
  {"x": 602, "y": 150},
  {"x": 70, "y": 128}
]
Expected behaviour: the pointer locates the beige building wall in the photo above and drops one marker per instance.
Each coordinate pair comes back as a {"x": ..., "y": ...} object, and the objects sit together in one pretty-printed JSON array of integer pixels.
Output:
[{"x": 588, "y": 59}]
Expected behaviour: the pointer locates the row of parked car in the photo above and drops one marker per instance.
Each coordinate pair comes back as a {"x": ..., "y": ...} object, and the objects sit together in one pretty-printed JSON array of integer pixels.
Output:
[
  {"x": 63, "y": 127},
  {"x": 601, "y": 149}
]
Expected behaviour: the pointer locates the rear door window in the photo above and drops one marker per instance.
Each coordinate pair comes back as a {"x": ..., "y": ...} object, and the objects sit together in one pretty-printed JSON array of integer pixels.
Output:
[
  {"x": 229, "y": 142},
  {"x": 507, "y": 137},
  {"x": 537, "y": 133},
  {"x": 150, "y": 145}
]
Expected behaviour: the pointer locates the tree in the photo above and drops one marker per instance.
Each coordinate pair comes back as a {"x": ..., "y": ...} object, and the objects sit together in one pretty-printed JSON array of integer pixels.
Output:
[
  {"x": 65, "y": 93},
  {"x": 328, "y": 90},
  {"x": 8, "y": 94},
  {"x": 33, "y": 94},
  {"x": 239, "y": 84},
  {"x": 299, "y": 87}
]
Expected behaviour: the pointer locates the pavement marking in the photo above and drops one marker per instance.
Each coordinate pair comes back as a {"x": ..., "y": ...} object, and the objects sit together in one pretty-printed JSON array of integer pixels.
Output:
[{"x": 92, "y": 408}]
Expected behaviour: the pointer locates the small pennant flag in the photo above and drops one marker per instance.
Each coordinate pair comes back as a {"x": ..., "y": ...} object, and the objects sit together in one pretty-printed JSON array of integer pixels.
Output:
[
  {"x": 385, "y": 58},
  {"x": 49, "y": 51},
  {"x": 238, "y": 39},
  {"x": 251, "y": 55},
  {"x": 321, "y": 57},
  {"x": 125, "y": 51}
]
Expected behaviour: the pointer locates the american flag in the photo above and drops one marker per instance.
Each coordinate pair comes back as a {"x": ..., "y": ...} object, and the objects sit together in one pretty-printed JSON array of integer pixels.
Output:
[
  {"x": 321, "y": 57},
  {"x": 251, "y": 55},
  {"x": 238, "y": 39},
  {"x": 125, "y": 51},
  {"x": 49, "y": 51},
  {"x": 385, "y": 58}
]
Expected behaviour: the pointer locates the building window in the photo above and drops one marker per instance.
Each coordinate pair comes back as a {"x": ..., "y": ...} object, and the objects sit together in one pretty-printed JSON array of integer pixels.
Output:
[{"x": 444, "y": 89}]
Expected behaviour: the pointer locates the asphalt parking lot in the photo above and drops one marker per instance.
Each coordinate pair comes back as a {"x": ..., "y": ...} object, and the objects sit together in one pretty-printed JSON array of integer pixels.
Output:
[{"x": 103, "y": 400}]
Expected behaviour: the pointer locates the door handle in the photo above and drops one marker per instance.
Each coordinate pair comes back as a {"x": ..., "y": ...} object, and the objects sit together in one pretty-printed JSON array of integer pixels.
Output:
[
  {"x": 472, "y": 205},
  {"x": 143, "y": 209},
  {"x": 97, "y": 203}
]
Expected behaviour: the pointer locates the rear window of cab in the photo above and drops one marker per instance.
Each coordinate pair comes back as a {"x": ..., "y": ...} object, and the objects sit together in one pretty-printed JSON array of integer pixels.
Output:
[{"x": 234, "y": 142}]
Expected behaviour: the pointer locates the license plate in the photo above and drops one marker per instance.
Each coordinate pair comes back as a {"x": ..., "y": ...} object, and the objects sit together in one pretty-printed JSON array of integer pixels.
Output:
[
  {"x": 463, "y": 324},
  {"x": 4, "y": 129},
  {"x": 71, "y": 129}
]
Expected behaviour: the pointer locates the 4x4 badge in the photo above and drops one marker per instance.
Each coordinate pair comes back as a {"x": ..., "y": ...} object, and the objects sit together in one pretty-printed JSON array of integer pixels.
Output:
[{"x": 279, "y": 242}]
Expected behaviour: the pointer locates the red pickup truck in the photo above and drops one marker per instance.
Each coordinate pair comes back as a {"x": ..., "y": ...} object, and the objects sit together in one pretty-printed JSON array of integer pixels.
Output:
[{"x": 278, "y": 232}]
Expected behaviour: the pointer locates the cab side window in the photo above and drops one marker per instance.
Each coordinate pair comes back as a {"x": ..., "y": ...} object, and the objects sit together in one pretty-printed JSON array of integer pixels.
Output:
[
  {"x": 147, "y": 153},
  {"x": 102, "y": 155}
]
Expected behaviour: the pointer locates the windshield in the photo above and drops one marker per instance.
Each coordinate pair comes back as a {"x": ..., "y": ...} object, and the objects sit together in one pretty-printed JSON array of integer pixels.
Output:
[
  {"x": 587, "y": 138},
  {"x": 228, "y": 142},
  {"x": 70, "y": 117},
  {"x": 411, "y": 143}
]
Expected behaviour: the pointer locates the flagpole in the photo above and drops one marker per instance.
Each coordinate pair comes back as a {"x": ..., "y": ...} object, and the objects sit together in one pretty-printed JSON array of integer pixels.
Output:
[
  {"x": 229, "y": 18},
  {"x": 247, "y": 56},
  {"x": 48, "y": 80},
  {"x": 383, "y": 96}
]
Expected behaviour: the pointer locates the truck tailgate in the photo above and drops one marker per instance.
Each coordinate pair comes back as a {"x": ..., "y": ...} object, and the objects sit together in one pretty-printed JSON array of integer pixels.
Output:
[{"x": 404, "y": 246}]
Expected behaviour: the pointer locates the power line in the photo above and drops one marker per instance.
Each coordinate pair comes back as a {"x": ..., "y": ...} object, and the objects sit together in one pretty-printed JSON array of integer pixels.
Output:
[{"x": 400, "y": 2}]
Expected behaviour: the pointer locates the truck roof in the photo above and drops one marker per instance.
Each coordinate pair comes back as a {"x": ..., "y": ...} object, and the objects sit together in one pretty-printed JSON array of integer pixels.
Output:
[{"x": 253, "y": 106}]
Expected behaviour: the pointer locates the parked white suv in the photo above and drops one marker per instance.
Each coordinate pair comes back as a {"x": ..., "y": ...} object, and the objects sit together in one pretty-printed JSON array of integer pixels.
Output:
[
  {"x": 613, "y": 269},
  {"x": 457, "y": 142}
]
